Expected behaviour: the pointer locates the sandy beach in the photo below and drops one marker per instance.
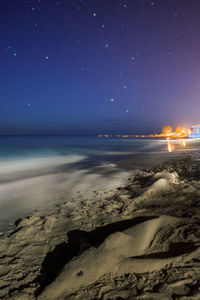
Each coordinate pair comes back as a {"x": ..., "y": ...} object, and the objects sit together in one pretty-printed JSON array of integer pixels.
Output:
[
  {"x": 140, "y": 240},
  {"x": 100, "y": 150}
]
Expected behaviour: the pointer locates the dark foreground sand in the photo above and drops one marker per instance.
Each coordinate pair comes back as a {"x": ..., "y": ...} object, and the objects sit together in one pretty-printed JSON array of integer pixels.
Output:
[{"x": 140, "y": 242}]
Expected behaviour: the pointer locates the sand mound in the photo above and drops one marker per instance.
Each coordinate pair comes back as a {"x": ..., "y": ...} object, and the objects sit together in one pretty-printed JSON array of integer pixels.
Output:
[{"x": 120, "y": 253}]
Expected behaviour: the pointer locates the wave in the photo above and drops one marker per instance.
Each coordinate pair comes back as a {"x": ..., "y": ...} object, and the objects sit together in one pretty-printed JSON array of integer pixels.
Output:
[
  {"x": 37, "y": 163},
  {"x": 41, "y": 184}
]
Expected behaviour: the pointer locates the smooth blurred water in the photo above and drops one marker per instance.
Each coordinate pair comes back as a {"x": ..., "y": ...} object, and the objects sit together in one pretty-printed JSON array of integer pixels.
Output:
[
  {"x": 36, "y": 173},
  {"x": 14, "y": 147}
]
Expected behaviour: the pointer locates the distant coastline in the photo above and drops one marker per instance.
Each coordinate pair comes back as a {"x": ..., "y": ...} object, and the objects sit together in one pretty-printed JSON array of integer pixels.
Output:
[{"x": 167, "y": 133}]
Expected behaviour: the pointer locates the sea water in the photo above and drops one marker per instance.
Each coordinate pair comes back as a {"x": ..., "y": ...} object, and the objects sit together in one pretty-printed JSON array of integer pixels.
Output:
[{"x": 39, "y": 172}]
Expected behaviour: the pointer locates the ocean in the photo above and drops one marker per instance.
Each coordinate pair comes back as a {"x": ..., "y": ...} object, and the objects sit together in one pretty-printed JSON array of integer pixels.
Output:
[{"x": 37, "y": 173}]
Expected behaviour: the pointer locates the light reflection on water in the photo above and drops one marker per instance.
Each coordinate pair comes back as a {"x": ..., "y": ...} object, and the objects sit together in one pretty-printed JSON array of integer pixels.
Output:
[
  {"x": 183, "y": 144},
  {"x": 169, "y": 146}
]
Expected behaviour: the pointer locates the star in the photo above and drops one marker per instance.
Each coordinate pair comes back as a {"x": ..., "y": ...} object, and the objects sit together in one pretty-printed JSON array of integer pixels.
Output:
[
  {"x": 94, "y": 14},
  {"x": 112, "y": 100},
  {"x": 106, "y": 45},
  {"x": 33, "y": 8},
  {"x": 125, "y": 86},
  {"x": 15, "y": 54},
  {"x": 125, "y": 5},
  {"x": 102, "y": 25},
  {"x": 133, "y": 58},
  {"x": 152, "y": 3},
  {"x": 28, "y": 104},
  {"x": 127, "y": 111},
  {"x": 46, "y": 57}
]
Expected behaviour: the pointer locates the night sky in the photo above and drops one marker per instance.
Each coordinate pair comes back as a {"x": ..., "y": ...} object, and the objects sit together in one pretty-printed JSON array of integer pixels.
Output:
[{"x": 98, "y": 66}]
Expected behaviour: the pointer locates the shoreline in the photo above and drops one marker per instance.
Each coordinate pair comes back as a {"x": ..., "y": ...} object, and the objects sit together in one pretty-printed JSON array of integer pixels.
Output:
[{"x": 134, "y": 232}]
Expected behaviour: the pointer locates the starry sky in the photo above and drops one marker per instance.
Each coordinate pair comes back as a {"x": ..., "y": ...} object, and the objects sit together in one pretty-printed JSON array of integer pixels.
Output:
[{"x": 98, "y": 66}]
